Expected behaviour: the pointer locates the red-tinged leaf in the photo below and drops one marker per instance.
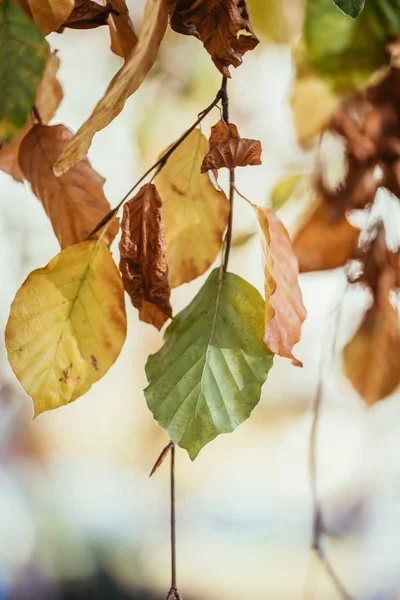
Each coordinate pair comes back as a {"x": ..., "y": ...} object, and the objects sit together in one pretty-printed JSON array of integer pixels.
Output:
[
  {"x": 223, "y": 26},
  {"x": 143, "y": 266},
  {"x": 74, "y": 202},
  {"x": 228, "y": 149},
  {"x": 284, "y": 310}
]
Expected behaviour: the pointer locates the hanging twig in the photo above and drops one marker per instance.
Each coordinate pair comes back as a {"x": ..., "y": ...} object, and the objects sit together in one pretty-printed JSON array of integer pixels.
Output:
[{"x": 228, "y": 236}]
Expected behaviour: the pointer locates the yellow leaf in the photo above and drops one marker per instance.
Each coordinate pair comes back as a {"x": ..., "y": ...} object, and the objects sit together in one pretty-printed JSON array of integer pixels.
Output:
[
  {"x": 195, "y": 212},
  {"x": 67, "y": 325},
  {"x": 128, "y": 79},
  {"x": 49, "y": 15}
]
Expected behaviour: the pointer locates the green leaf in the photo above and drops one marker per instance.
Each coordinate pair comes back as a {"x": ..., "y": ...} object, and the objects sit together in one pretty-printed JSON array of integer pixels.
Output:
[
  {"x": 350, "y": 7},
  {"x": 23, "y": 56},
  {"x": 207, "y": 377},
  {"x": 346, "y": 52}
]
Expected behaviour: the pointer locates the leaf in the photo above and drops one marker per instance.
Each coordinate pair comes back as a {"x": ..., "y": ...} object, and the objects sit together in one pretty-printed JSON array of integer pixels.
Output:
[
  {"x": 207, "y": 378},
  {"x": 324, "y": 242},
  {"x": 67, "y": 325},
  {"x": 75, "y": 202},
  {"x": 195, "y": 213},
  {"x": 228, "y": 149},
  {"x": 128, "y": 79},
  {"x": 223, "y": 26},
  {"x": 88, "y": 14},
  {"x": 372, "y": 358},
  {"x": 23, "y": 56},
  {"x": 142, "y": 248},
  {"x": 284, "y": 309},
  {"x": 49, "y": 15},
  {"x": 346, "y": 52},
  {"x": 350, "y": 7},
  {"x": 279, "y": 21},
  {"x": 285, "y": 188},
  {"x": 48, "y": 97}
]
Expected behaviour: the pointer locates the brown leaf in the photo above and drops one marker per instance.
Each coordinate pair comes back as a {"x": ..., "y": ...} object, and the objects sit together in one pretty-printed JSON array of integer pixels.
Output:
[
  {"x": 228, "y": 149},
  {"x": 124, "y": 84},
  {"x": 75, "y": 202},
  {"x": 372, "y": 358},
  {"x": 143, "y": 266},
  {"x": 49, "y": 15},
  {"x": 48, "y": 97},
  {"x": 324, "y": 242},
  {"x": 223, "y": 26},
  {"x": 284, "y": 309},
  {"x": 88, "y": 14}
]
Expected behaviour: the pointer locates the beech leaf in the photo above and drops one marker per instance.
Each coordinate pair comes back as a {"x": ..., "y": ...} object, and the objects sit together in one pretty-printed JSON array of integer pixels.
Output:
[
  {"x": 228, "y": 149},
  {"x": 48, "y": 97},
  {"x": 195, "y": 212},
  {"x": 49, "y": 15},
  {"x": 75, "y": 202},
  {"x": 143, "y": 266},
  {"x": 67, "y": 325},
  {"x": 207, "y": 378},
  {"x": 23, "y": 56},
  {"x": 128, "y": 79},
  {"x": 350, "y": 7},
  {"x": 284, "y": 309},
  {"x": 325, "y": 242},
  {"x": 223, "y": 26}
]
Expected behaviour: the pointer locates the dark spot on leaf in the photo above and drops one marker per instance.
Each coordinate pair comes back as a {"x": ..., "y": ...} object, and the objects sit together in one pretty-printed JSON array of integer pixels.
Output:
[{"x": 94, "y": 362}]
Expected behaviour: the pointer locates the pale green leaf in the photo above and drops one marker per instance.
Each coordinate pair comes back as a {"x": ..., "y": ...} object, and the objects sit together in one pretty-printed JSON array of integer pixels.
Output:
[
  {"x": 207, "y": 378},
  {"x": 23, "y": 57}
]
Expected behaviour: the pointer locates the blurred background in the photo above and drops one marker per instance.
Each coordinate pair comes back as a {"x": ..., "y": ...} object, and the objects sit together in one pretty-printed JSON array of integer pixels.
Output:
[{"x": 79, "y": 516}]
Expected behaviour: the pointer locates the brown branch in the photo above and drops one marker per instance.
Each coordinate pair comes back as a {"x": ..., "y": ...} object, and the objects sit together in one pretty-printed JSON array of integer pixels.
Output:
[
  {"x": 173, "y": 592},
  {"x": 228, "y": 236},
  {"x": 160, "y": 164}
]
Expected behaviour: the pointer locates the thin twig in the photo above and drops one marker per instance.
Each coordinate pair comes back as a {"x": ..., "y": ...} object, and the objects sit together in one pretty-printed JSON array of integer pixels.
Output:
[
  {"x": 160, "y": 164},
  {"x": 228, "y": 236},
  {"x": 173, "y": 592}
]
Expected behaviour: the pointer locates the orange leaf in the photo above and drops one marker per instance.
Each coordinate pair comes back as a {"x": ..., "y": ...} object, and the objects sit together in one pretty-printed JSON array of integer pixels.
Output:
[
  {"x": 48, "y": 97},
  {"x": 222, "y": 25},
  {"x": 284, "y": 309},
  {"x": 122, "y": 32},
  {"x": 324, "y": 243},
  {"x": 228, "y": 149},
  {"x": 75, "y": 202},
  {"x": 128, "y": 79},
  {"x": 143, "y": 266},
  {"x": 372, "y": 358}
]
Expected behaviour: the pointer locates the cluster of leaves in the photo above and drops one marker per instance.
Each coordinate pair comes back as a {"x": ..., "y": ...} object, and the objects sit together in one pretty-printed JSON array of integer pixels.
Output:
[{"x": 67, "y": 323}]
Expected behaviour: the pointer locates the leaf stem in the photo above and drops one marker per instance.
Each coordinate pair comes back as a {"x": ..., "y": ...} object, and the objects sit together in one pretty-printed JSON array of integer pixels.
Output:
[
  {"x": 160, "y": 164},
  {"x": 228, "y": 236}
]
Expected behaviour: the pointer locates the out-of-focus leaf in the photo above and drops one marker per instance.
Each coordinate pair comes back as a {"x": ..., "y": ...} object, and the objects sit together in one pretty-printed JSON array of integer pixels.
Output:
[
  {"x": 74, "y": 202},
  {"x": 223, "y": 26},
  {"x": 195, "y": 213},
  {"x": 67, "y": 325},
  {"x": 284, "y": 189},
  {"x": 124, "y": 84},
  {"x": 324, "y": 242},
  {"x": 142, "y": 265},
  {"x": 23, "y": 56},
  {"x": 350, "y": 7},
  {"x": 346, "y": 52},
  {"x": 207, "y": 378},
  {"x": 278, "y": 20},
  {"x": 229, "y": 150},
  {"x": 48, "y": 96},
  {"x": 284, "y": 309}
]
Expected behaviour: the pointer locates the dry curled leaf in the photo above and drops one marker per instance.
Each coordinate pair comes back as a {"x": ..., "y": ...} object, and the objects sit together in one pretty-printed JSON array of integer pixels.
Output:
[
  {"x": 372, "y": 358},
  {"x": 325, "y": 242},
  {"x": 124, "y": 84},
  {"x": 223, "y": 26},
  {"x": 284, "y": 309},
  {"x": 75, "y": 202},
  {"x": 48, "y": 97},
  {"x": 228, "y": 149},
  {"x": 49, "y": 15},
  {"x": 88, "y": 14},
  {"x": 143, "y": 266}
]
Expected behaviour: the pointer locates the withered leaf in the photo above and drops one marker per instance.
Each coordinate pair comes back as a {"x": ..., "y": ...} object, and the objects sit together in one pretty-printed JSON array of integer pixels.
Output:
[
  {"x": 128, "y": 79},
  {"x": 75, "y": 202},
  {"x": 228, "y": 149},
  {"x": 48, "y": 97},
  {"x": 325, "y": 242},
  {"x": 88, "y": 14},
  {"x": 223, "y": 26},
  {"x": 143, "y": 266},
  {"x": 372, "y": 358},
  {"x": 284, "y": 309},
  {"x": 49, "y": 15}
]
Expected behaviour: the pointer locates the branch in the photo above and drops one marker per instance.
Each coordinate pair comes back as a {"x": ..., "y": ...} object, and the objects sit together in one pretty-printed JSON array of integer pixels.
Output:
[{"x": 228, "y": 236}]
